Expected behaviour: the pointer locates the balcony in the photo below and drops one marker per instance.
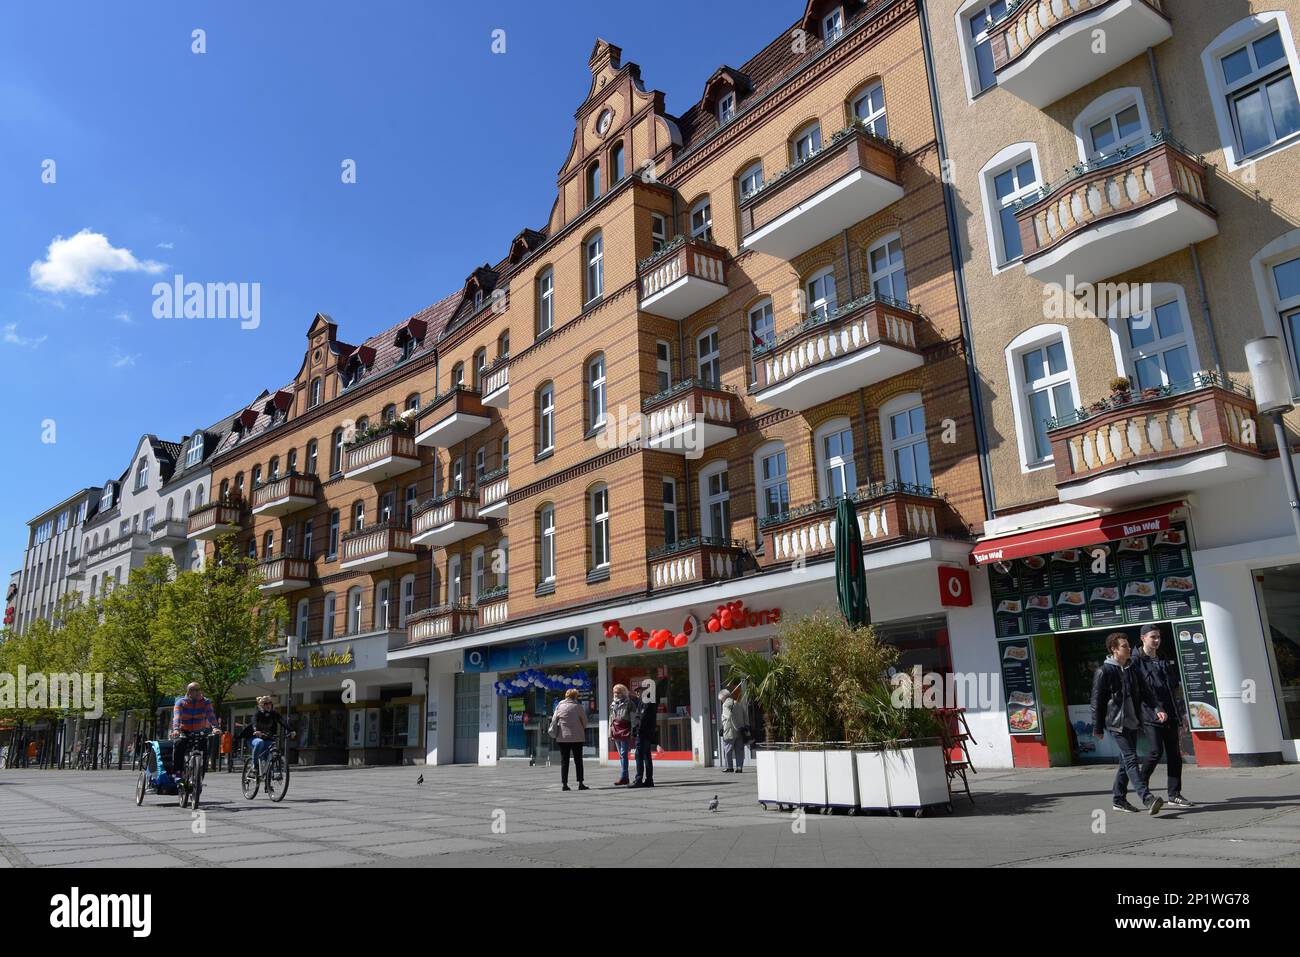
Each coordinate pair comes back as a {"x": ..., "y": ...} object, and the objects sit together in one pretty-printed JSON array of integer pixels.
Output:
[
  {"x": 1143, "y": 445},
  {"x": 689, "y": 417},
  {"x": 76, "y": 568},
  {"x": 496, "y": 384},
  {"x": 887, "y": 514},
  {"x": 682, "y": 278},
  {"x": 168, "y": 533},
  {"x": 492, "y": 490},
  {"x": 379, "y": 457},
  {"x": 854, "y": 177},
  {"x": 444, "y": 621},
  {"x": 694, "y": 561},
  {"x": 448, "y": 519},
  {"x": 123, "y": 544},
  {"x": 281, "y": 573},
  {"x": 285, "y": 495},
  {"x": 862, "y": 343},
  {"x": 215, "y": 519},
  {"x": 379, "y": 546},
  {"x": 1046, "y": 49},
  {"x": 492, "y": 606},
  {"x": 1117, "y": 213},
  {"x": 452, "y": 417}
]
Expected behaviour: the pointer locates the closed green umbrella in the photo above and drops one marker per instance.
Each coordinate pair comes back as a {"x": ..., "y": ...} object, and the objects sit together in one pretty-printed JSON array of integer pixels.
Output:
[{"x": 850, "y": 577}]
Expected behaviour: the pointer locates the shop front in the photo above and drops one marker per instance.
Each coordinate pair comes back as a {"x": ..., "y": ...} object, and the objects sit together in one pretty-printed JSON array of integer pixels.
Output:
[{"x": 1057, "y": 594}]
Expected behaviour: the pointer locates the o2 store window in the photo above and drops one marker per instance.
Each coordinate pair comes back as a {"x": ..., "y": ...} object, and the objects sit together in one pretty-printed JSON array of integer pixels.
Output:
[{"x": 672, "y": 685}]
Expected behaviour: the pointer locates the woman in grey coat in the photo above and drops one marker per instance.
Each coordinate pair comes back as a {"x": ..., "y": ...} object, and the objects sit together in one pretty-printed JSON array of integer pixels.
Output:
[
  {"x": 569, "y": 729},
  {"x": 733, "y": 731}
]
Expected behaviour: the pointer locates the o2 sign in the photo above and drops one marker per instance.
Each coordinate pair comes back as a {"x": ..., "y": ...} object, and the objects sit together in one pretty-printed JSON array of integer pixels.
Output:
[{"x": 954, "y": 587}]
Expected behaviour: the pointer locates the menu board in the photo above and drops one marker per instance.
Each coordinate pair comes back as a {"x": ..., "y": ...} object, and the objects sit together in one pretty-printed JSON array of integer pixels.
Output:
[
  {"x": 1135, "y": 580},
  {"x": 1018, "y": 687},
  {"x": 1198, "y": 677}
]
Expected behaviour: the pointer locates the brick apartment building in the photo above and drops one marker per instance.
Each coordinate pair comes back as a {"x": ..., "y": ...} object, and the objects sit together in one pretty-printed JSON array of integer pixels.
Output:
[{"x": 1146, "y": 144}]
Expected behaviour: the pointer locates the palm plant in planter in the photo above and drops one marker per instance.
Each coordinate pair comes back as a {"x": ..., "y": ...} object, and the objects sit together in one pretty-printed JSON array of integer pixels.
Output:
[{"x": 763, "y": 682}]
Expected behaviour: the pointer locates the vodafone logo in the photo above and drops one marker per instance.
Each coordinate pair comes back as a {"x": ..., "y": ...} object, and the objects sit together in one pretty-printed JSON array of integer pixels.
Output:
[{"x": 954, "y": 587}]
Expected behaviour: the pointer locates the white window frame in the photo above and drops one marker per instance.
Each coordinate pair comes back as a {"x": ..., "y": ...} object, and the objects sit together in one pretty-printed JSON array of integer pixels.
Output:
[
  {"x": 761, "y": 317},
  {"x": 826, "y": 463},
  {"x": 303, "y": 618},
  {"x": 595, "y": 259},
  {"x": 753, "y": 176},
  {"x": 546, "y": 418},
  {"x": 670, "y": 508},
  {"x": 142, "y": 474},
  {"x": 762, "y": 484},
  {"x": 545, "y": 301},
  {"x": 1272, "y": 307},
  {"x": 546, "y": 542},
  {"x": 596, "y": 390},
  {"x": 967, "y": 44},
  {"x": 328, "y": 611},
  {"x": 812, "y": 135},
  {"x": 355, "y": 595},
  {"x": 406, "y": 600},
  {"x": 477, "y": 573},
  {"x": 873, "y": 118},
  {"x": 708, "y": 359},
  {"x": 819, "y": 293},
  {"x": 1006, "y": 158},
  {"x": 709, "y": 499},
  {"x": 598, "y": 509},
  {"x": 194, "y": 454},
  {"x": 663, "y": 364},
  {"x": 890, "y": 269},
  {"x": 1037, "y": 337},
  {"x": 658, "y": 232},
  {"x": 833, "y": 26},
  {"x": 726, "y": 106},
  {"x": 701, "y": 220},
  {"x": 1161, "y": 293},
  {"x": 455, "y": 580},
  {"x": 1107, "y": 107},
  {"x": 1244, "y": 31},
  {"x": 891, "y": 446}
]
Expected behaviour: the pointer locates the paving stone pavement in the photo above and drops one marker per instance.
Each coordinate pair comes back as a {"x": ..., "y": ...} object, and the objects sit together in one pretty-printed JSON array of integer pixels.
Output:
[{"x": 381, "y": 817}]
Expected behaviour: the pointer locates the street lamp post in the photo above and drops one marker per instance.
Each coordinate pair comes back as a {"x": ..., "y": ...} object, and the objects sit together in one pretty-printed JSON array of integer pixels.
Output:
[
  {"x": 291, "y": 646},
  {"x": 1266, "y": 359}
]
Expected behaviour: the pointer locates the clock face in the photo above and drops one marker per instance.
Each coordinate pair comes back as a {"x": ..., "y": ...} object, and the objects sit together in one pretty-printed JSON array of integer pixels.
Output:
[{"x": 602, "y": 124}]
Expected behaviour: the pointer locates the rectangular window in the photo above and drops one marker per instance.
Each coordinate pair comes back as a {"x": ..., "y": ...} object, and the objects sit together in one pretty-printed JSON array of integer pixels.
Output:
[
  {"x": 1046, "y": 372},
  {"x": 718, "y": 504},
  {"x": 600, "y": 528},
  {"x": 545, "y": 302},
  {"x": 762, "y": 332},
  {"x": 981, "y": 46},
  {"x": 840, "y": 471},
  {"x": 546, "y": 420},
  {"x": 909, "y": 452},
  {"x": 702, "y": 222},
  {"x": 888, "y": 277},
  {"x": 663, "y": 365},
  {"x": 548, "y": 545},
  {"x": 670, "y": 511},
  {"x": 386, "y": 508},
  {"x": 1009, "y": 186},
  {"x": 658, "y": 232},
  {"x": 596, "y": 392},
  {"x": 595, "y": 269},
  {"x": 726, "y": 107},
  {"x": 1159, "y": 356},
  {"x": 333, "y": 546},
  {"x": 306, "y": 541},
  {"x": 708, "y": 358},
  {"x": 1261, "y": 93},
  {"x": 408, "y": 510}
]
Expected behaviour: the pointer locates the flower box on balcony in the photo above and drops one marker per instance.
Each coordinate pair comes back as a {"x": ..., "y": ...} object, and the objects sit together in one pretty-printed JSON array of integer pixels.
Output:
[
  {"x": 690, "y": 416},
  {"x": 887, "y": 513},
  {"x": 852, "y": 178},
  {"x": 694, "y": 561},
  {"x": 1116, "y": 213},
  {"x": 286, "y": 494},
  {"x": 447, "y": 519},
  {"x": 861, "y": 343},
  {"x": 682, "y": 278},
  {"x": 493, "y": 488},
  {"x": 377, "y": 546},
  {"x": 215, "y": 519},
  {"x": 450, "y": 418},
  {"x": 382, "y": 454},
  {"x": 1183, "y": 437},
  {"x": 441, "y": 622},
  {"x": 284, "y": 573}
]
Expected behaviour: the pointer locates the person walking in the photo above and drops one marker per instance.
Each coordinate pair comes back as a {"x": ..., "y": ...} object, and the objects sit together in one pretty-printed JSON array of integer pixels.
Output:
[
  {"x": 569, "y": 729},
  {"x": 1161, "y": 676},
  {"x": 620, "y": 728},
  {"x": 733, "y": 731},
  {"x": 645, "y": 727},
  {"x": 1118, "y": 696}
]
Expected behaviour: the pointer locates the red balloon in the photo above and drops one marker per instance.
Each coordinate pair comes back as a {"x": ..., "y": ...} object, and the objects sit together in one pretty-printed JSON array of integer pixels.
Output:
[
  {"x": 687, "y": 627},
  {"x": 726, "y": 619},
  {"x": 622, "y": 635},
  {"x": 680, "y": 639},
  {"x": 712, "y": 624},
  {"x": 663, "y": 634},
  {"x": 638, "y": 643}
]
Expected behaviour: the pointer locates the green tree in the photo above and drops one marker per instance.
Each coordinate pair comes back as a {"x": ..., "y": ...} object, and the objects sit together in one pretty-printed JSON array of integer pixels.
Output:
[{"x": 219, "y": 623}]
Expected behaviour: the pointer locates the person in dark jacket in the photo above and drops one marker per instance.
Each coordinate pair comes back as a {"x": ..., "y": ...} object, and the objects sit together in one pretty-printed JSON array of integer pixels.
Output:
[
  {"x": 1118, "y": 696},
  {"x": 645, "y": 727},
  {"x": 1161, "y": 676},
  {"x": 264, "y": 723}
]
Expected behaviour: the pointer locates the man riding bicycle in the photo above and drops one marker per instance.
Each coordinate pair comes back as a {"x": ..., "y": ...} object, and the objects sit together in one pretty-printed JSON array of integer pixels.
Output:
[
  {"x": 192, "y": 712},
  {"x": 265, "y": 722}
]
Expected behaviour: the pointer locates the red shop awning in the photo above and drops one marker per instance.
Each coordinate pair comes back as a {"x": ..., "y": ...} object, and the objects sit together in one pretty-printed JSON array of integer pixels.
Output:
[{"x": 1092, "y": 531}]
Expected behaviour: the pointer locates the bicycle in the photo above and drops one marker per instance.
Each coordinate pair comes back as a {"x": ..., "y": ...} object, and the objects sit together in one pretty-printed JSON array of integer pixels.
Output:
[
  {"x": 196, "y": 763},
  {"x": 270, "y": 767}
]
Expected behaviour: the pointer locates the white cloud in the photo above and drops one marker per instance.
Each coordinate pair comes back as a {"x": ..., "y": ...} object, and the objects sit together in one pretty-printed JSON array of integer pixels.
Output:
[
  {"x": 125, "y": 317},
  {"x": 11, "y": 337},
  {"x": 82, "y": 264},
  {"x": 122, "y": 360},
  {"x": 166, "y": 245}
]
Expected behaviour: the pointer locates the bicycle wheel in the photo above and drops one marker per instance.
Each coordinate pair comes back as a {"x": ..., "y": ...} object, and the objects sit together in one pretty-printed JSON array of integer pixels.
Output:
[
  {"x": 141, "y": 786},
  {"x": 277, "y": 777},
  {"x": 249, "y": 779},
  {"x": 196, "y": 778}
]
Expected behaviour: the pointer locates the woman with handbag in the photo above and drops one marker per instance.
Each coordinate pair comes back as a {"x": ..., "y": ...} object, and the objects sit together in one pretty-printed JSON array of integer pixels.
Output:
[
  {"x": 569, "y": 729},
  {"x": 620, "y": 728}
]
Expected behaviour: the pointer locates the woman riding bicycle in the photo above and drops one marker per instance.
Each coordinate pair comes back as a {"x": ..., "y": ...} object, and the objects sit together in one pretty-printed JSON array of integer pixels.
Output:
[{"x": 265, "y": 722}]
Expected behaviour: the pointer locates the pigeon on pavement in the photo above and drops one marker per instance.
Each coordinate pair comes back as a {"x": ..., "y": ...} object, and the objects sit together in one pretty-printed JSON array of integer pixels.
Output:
[
  {"x": 713, "y": 805},
  {"x": 420, "y": 779}
]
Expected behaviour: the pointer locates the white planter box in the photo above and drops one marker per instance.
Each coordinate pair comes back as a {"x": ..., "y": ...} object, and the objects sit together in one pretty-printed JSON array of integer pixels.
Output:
[
  {"x": 916, "y": 777},
  {"x": 841, "y": 779},
  {"x": 812, "y": 778},
  {"x": 787, "y": 778},
  {"x": 765, "y": 766},
  {"x": 873, "y": 786}
]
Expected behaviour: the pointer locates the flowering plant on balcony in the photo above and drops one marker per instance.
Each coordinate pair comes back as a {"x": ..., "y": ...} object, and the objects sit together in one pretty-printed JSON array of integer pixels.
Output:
[
  {"x": 857, "y": 126},
  {"x": 1125, "y": 397},
  {"x": 865, "y": 493},
  {"x": 675, "y": 243},
  {"x": 685, "y": 385},
  {"x": 833, "y": 316},
  {"x": 378, "y": 431}
]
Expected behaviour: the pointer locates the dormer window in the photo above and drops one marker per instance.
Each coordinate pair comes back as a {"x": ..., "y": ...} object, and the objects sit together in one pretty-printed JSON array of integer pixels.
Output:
[
  {"x": 726, "y": 107},
  {"x": 353, "y": 372},
  {"x": 194, "y": 454},
  {"x": 833, "y": 26},
  {"x": 478, "y": 298}
]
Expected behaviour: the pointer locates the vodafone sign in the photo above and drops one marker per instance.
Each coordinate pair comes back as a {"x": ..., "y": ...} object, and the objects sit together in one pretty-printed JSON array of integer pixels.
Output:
[{"x": 954, "y": 587}]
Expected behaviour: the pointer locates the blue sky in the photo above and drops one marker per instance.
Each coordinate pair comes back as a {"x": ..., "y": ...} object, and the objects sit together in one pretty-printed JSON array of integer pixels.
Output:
[{"x": 225, "y": 167}]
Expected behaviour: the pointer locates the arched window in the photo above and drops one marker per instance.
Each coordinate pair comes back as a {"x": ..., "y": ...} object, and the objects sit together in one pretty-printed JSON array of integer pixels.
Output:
[
  {"x": 413, "y": 402},
  {"x": 185, "y": 502},
  {"x": 390, "y": 413},
  {"x": 868, "y": 108},
  {"x": 593, "y": 183},
  {"x": 312, "y": 457},
  {"x": 503, "y": 344},
  {"x": 715, "y": 501},
  {"x": 836, "y": 472},
  {"x": 407, "y": 602},
  {"x": 455, "y": 587},
  {"x": 595, "y": 272},
  {"x": 1154, "y": 342},
  {"x": 806, "y": 142},
  {"x": 545, "y": 418},
  {"x": 274, "y": 468},
  {"x": 1111, "y": 122},
  {"x": 885, "y": 264},
  {"x": 480, "y": 366},
  {"x": 257, "y": 475},
  {"x": 336, "y": 453},
  {"x": 327, "y": 617},
  {"x": 820, "y": 293},
  {"x": 906, "y": 450},
  {"x": 293, "y": 462},
  {"x": 1042, "y": 375},
  {"x": 545, "y": 301},
  {"x": 762, "y": 331},
  {"x": 1251, "y": 69},
  {"x": 750, "y": 180},
  {"x": 1011, "y": 175},
  {"x": 381, "y": 619},
  {"x": 616, "y": 163},
  {"x": 477, "y": 573},
  {"x": 458, "y": 375},
  {"x": 546, "y": 544},
  {"x": 171, "y": 509},
  {"x": 363, "y": 423},
  {"x": 198, "y": 495},
  {"x": 501, "y": 562},
  {"x": 268, "y": 544},
  {"x": 771, "y": 483},
  {"x": 354, "y": 610},
  {"x": 596, "y": 391},
  {"x": 304, "y": 615},
  {"x": 358, "y": 516},
  {"x": 702, "y": 220},
  {"x": 708, "y": 358},
  {"x": 598, "y": 522},
  {"x": 315, "y": 394}
]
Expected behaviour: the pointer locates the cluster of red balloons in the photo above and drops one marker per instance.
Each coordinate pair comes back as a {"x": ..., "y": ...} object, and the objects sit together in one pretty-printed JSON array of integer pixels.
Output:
[
  {"x": 657, "y": 640},
  {"x": 728, "y": 616}
]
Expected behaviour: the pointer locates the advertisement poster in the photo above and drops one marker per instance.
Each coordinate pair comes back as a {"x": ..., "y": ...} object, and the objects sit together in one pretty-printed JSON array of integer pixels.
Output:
[
  {"x": 1018, "y": 687},
  {"x": 1198, "y": 677}
]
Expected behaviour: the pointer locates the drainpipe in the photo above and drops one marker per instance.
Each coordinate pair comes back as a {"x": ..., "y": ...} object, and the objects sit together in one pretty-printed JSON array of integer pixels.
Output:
[
  {"x": 1205, "y": 310},
  {"x": 963, "y": 308},
  {"x": 1159, "y": 90},
  {"x": 848, "y": 266}
]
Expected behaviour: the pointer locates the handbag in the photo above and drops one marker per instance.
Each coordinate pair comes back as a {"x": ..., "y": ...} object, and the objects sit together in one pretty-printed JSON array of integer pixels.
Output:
[{"x": 621, "y": 729}]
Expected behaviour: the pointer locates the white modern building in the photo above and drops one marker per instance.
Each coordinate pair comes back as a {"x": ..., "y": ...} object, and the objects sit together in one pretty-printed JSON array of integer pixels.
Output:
[{"x": 54, "y": 562}]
